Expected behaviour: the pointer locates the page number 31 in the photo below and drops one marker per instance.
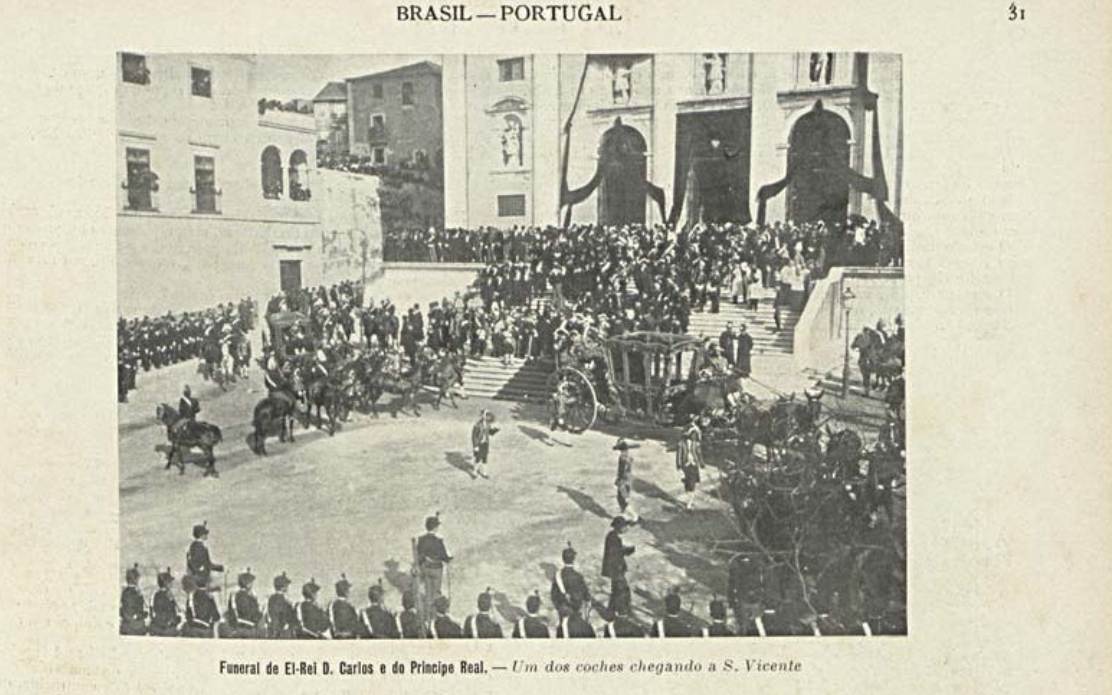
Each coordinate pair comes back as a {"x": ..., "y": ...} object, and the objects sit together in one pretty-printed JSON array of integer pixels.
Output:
[{"x": 1016, "y": 13}]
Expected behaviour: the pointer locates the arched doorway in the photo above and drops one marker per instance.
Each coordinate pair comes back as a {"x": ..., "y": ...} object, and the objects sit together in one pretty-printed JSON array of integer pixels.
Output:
[
  {"x": 272, "y": 172},
  {"x": 818, "y": 159},
  {"x": 622, "y": 164},
  {"x": 298, "y": 175}
]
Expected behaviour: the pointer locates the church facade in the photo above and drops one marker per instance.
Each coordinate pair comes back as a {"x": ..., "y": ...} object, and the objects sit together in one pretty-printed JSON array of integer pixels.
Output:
[{"x": 656, "y": 138}]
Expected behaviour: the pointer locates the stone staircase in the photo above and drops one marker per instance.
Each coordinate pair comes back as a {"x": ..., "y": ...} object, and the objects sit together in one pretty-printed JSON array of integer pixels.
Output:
[
  {"x": 518, "y": 380},
  {"x": 760, "y": 324}
]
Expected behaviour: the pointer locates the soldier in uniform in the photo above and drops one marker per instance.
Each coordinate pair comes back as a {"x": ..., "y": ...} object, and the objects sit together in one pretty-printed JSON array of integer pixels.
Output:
[
  {"x": 409, "y": 622},
  {"x": 377, "y": 622},
  {"x": 201, "y": 613},
  {"x": 243, "y": 616},
  {"x": 279, "y": 612},
  {"x": 311, "y": 620},
  {"x": 442, "y": 626},
  {"x": 481, "y": 625},
  {"x": 341, "y": 614},
  {"x": 188, "y": 406},
  {"x": 133, "y": 607},
  {"x": 573, "y": 624},
  {"x": 621, "y": 624},
  {"x": 165, "y": 617},
  {"x": 689, "y": 459},
  {"x": 481, "y": 432},
  {"x": 718, "y": 627},
  {"x": 614, "y": 554},
  {"x": 197, "y": 560},
  {"x": 671, "y": 625},
  {"x": 568, "y": 582},
  {"x": 532, "y": 625},
  {"x": 432, "y": 556}
]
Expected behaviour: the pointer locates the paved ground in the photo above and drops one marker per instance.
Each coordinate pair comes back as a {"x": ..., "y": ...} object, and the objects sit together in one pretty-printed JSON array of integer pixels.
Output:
[{"x": 352, "y": 502}]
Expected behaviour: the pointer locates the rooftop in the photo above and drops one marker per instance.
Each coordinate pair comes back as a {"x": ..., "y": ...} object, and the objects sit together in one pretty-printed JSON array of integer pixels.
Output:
[
  {"x": 333, "y": 91},
  {"x": 413, "y": 69}
]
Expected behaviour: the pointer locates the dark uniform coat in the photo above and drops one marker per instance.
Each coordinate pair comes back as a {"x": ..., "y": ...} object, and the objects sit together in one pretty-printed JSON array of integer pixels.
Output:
[
  {"x": 622, "y": 626},
  {"x": 531, "y": 626},
  {"x": 201, "y": 615},
  {"x": 311, "y": 620},
  {"x": 574, "y": 626},
  {"x": 671, "y": 626},
  {"x": 199, "y": 564},
  {"x": 614, "y": 553},
  {"x": 244, "y": 616},
  {"x": 133, "y": 611},
  {"x": 482, "y": 626},
  {"x": 409, "y": 625},
  {"x": 717, "y": 629},
  {"x": 443, "y": 627},
  {"x": 280, "y": 618},
  {"x": 568, "y": 586},
  {"x": 344, "y": 619},
  {"x": 378, "y": 623},
  {"x": 165, "y": 617}
]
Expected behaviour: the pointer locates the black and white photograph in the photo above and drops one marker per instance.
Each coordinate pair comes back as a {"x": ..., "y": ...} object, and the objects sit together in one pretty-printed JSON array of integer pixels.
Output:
[{"x": 509, "y": 346}]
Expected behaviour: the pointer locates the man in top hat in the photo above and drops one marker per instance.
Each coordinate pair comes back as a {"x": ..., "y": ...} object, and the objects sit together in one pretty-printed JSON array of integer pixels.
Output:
[
  {"x": 280, "y": 615},
  {"x": 376, "y": 621},
  {"x": 689, "y": 461},
  {"x": 197, "y": 560},
  {"x": 532, "y": 625},
  {"x": 481, "y": 432},
  {"x": 442, "y": 626},
  {"x": 188, "y": 406},
  {"x": 312, "y": 621},
  {"x": 165, "y": 617},
  {"x": 342, "y": 616},
  {"x": 568, "y": 582},
  {"x": 432, "y": 557},
  {"x": 620, "y": 623},
  {"x": 744, "y": 343},
  {"x": 481, "y": 625},
  {"x": 244, "y": 616},
  {"x": 614, "y": 554},
  {"x": 623, "y": 482},
  {"x": 728, "y": 342},
  {"x": 671, "y": 625},
  {"x": 718, "y": 627},
  {"x": 408, "y": 621},
  {"x": 572, "y": 623},
  {"x": 201, "y": 613},
  {"x": 133, "y": 607}
]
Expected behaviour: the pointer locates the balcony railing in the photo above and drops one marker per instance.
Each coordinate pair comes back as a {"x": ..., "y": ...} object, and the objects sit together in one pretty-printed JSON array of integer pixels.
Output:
[
  {"x": 141, "y": 197},
  {"x": 206, "y": 201}
]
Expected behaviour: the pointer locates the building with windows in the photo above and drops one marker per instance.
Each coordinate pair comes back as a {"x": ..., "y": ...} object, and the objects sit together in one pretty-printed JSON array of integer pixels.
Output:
[
  {"x": 396, "y": 117},
  {"x": 330, "y": 116},
  {"x": 217, "y": 196},
  {"x": 544, "y": 139}
]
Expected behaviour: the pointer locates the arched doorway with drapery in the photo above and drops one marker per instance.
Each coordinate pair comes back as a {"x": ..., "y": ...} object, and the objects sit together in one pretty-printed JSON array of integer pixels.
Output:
[
  {"x": 623, "y": 167},
  {"x": 818, "y": 159}
]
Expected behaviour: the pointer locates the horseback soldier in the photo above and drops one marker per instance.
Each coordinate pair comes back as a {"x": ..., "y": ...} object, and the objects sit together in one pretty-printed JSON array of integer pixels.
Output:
[
  {"x": 341, "y": 614},
  {"x": 573, "y": 624},
  {"x": 432, "y": 556},
  {"x": 197, "y": 560},
  {"x": 312, "y": 621},
  {"x": 188, "y": 406},
  {"x": 165, "y": 617},
  {"x": 442, "y": 626},
  {"x": 718, "y": 627},
  {"x": 274, "y": 379},
  {"x": 569, "y": 583},
  {"x": 201, "y": 613},
  {"x": 532, "y": 625},
  {"x": 244, "y": 616},
  {"x": 279, "y": 613},
  {"x": 481, "y": 625},
  {"x": 133, "y": 607},
  {"x": 377, "y": 622},
  {"x": 408, "y": 621},
  {"x": 671, "y": 625}
]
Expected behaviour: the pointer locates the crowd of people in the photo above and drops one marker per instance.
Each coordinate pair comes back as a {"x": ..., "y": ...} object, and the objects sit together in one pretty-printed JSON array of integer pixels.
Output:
[{"x": 154, "y": 342}]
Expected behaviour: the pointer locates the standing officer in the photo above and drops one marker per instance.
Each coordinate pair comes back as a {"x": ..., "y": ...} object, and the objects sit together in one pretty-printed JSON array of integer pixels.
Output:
[
  {"x": 133, "y": 607},
  {"x": 689, "y": 459},
  {"x": 569, "y": 583},
  {"x": 197, "y": 560},
  {"x": 614, "y": 554},
  {"x": 312, "y": 621},
  {"x": 201, "y": 613},
  {"x": 624, "y": 480},
  {"x": 409, "y": 622},
  {"x": 341, "y": 614},
  {"x": 432, "y": 556},
  {"x": 718, "y": 627},
  {"x": 532, "y": 625},
  {"x": 164, "y": 608},
  {"x": 671, "y": 625},
  {"x": 378, "y": 623},
  {"x": 481, "y": 625},
  {"x": 481, "y": 432},
  {"x": 244, "y": 616},
  {"x": 573, "y": 624},
  {"x": 442, "y": 626},
  {"x": 279, "y": 613}
]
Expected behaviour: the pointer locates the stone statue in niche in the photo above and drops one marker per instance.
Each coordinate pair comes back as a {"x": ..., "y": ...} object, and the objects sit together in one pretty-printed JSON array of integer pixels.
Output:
[
  {"x": 512, "y": 151},
  {"x": 822, "y": 68},
  {"x": 714, "y": 73},
  {"x": 622, "y": 83}
]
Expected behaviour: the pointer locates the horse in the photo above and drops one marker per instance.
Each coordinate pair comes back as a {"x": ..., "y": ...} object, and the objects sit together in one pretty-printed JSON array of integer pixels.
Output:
[
  {"x": 444, "y": 374},
  {"x": 702, "y": 396},
  {"x": 329, "y": 398},
  {"x": 275, "y": 415},
  {"x": 877, "y": 358},
  {"x": 185, "y": 434},
  {"x": 240, "y": 352},
  {"x": 379, "y": 382}
]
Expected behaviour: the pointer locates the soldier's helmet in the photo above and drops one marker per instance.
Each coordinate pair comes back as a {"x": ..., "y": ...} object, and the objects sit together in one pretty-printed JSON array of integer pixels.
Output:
[
  {"x": 432, "y": 523},
  {"x": 672, "y": 604},
  {"x": 281, "y": 582},
  {"x": 533, "y": 603},
  {"x": 165, "y": 579},
  {"x": 343, "y": 586},
  {"x": 200, "y": 530},
  {"x": 245, "y": 578},
  {"x": 717, "y": 609},
  {"x": 374, "y": 593},
  {"x": 132, "y": 574},
  {"x": 441, "y": 604},
  {"x": 409, "y": 600},
  {"x": 484, "y": 601},
  {"x": 568, "y": 555},
  {"x": 309, "y": 589}
]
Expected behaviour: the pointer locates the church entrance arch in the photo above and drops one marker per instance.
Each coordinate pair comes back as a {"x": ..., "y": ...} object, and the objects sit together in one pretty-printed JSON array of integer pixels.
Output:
[
  {"x": 623, "y": 168},
  {"x": 818, "y": 159}
]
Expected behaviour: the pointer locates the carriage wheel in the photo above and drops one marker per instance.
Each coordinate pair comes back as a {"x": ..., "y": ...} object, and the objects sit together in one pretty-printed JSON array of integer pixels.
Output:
[{"x": 582, "y": 413}]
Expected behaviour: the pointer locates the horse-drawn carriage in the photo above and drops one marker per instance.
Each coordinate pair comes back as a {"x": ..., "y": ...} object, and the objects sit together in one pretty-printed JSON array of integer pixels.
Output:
[
  {"x": 288, "y": 333},
  {"x": 659, "y": 377}
]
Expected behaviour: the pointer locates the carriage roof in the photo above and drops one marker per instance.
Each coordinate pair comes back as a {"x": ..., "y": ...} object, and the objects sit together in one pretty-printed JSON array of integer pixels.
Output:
[
  {"x": 653, "y": 341},
  {"x": 285, "y": 319}
]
